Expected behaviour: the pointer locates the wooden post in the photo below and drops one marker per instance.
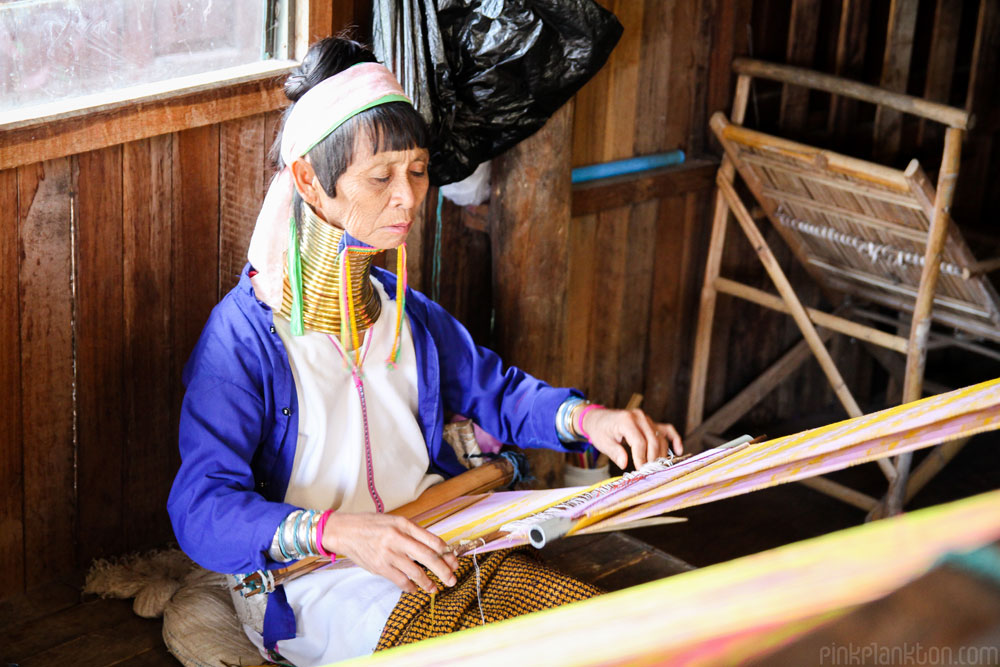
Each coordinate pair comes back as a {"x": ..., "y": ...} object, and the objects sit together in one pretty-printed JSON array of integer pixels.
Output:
[
  {"x": 895, "y": 71},
  {"x": 706, "y": 310},
  {"x": 850, "y": 60},
  {"x": 801, "y": 47},
  {"x": 529, "y": 233},
  {"x": 916, "y": 357}
]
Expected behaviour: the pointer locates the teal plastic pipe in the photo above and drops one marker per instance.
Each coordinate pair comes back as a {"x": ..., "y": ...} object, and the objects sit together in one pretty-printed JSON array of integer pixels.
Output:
[{"x": 593, "y": 172}]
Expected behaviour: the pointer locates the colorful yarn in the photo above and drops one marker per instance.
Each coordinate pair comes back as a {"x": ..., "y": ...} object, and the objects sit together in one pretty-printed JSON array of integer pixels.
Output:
[
  {"x": 400, "y": 304},
  {"x": 347, "y": 323},
  {"x": 352, "y": 317}
]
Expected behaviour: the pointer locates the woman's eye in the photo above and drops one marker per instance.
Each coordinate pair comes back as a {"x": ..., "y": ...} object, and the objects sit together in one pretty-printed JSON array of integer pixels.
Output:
[
  {"x": 381, "y": 179},
  {"x": 419, "y": 173}
]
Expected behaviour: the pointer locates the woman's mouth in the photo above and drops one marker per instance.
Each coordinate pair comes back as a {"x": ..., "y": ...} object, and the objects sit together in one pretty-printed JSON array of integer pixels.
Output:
[{"x": 399, "y": 227}]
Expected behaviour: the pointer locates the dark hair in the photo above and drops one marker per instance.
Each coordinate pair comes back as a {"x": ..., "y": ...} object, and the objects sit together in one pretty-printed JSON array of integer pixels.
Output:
[{"x": 394, "y": 126}]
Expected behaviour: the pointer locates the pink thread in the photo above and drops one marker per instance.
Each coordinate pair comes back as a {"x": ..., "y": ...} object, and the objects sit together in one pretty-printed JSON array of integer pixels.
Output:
[
  {"x": 319, "y": 536},
  {"x": 583, "y": 413},
  {"x": 369, "y": 467}
]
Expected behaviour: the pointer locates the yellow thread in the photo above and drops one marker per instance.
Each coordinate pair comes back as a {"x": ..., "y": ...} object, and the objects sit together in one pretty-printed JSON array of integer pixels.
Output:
[
  {"x": 400, "y": 287},
  {"x": 344, "y": 340},
  {"x": 350, "y": 311},
  {"x": 433, "y": 595}
]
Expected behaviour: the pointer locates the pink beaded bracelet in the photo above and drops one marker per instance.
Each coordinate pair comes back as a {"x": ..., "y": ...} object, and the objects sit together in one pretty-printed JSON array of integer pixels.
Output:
[
  {"x": 579, "y": 419},
  {"x": 319, "y": 536}
]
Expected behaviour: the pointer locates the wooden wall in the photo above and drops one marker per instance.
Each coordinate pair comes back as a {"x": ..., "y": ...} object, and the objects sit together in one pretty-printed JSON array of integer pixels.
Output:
[
  {"x": 110, "y": 262},
  {"x": 113, "y": 259}
]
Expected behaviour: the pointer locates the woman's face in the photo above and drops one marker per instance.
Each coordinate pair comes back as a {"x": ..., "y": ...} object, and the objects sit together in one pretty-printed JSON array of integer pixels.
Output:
[{"x": 377, "y": 195}]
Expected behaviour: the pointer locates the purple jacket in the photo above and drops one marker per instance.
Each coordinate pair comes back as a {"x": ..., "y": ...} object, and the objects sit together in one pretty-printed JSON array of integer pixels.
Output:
[{"x": 239, "y": 425}]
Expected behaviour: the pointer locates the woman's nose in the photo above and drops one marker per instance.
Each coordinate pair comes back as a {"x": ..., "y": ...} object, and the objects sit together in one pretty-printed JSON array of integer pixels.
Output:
[{"x": 403, "y": 194}]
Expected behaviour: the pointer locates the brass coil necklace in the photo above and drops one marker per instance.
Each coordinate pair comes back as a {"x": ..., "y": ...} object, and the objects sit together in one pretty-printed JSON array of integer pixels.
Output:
[{"x": 319, "y": 242}]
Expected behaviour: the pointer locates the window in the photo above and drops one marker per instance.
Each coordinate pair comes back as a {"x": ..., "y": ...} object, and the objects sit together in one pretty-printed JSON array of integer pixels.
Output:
[{"x": 57, "y": 55}]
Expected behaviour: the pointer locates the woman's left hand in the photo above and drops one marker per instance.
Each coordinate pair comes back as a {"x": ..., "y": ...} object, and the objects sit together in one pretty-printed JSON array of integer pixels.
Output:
[{"x": 608, "y": 429}]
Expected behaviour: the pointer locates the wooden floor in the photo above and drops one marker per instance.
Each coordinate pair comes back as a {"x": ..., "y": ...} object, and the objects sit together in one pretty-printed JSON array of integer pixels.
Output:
[{"x": 57, "y": 625}]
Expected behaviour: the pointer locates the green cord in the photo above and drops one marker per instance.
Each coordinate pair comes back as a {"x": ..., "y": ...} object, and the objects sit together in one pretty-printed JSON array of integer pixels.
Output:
[
  {"x": 436, "y": 266},
  {"x": 295, "y": 277}
]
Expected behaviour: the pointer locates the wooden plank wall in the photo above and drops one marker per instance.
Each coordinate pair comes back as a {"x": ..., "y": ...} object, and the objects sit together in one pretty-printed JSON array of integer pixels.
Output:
[
  {"x": 636, "y": 262},
  {"x": 111, "y": 262}
]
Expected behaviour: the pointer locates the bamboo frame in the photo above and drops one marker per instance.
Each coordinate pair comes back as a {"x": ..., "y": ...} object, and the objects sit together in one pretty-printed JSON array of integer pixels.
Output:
[
  {"x": 946, "y": 115},
  {"x": 909, "y": 189}
]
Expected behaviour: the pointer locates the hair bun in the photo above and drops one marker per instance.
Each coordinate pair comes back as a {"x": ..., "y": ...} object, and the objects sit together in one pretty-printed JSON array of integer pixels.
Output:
[{"x": 325, "y": 58}]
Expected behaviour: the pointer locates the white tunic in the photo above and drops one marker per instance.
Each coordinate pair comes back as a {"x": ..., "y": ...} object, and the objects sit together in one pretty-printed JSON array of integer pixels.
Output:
[{"x": 340, "y": 613}]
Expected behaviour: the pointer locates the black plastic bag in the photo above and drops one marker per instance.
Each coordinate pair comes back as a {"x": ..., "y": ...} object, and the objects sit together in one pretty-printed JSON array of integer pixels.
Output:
[{"x": 488, "y": 73}]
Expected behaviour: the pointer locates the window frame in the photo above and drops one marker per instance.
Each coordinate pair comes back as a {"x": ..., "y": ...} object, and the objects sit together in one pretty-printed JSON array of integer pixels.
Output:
[{"x": 218, "y": 97}]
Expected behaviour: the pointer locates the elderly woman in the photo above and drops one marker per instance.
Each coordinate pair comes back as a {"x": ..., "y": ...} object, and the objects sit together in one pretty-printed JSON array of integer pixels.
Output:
[{"x": 317, "y": 392}]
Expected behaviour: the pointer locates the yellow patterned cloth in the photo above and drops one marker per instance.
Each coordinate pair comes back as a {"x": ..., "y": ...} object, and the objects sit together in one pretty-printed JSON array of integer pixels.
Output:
[{"x": 512, "y": 582}]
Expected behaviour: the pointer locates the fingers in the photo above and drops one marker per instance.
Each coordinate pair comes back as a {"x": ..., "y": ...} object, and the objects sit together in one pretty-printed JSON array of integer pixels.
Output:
[
  {"x": 433, "y": 562},
  {"x": 427, "y": 549},
  {"x": 674, "y": 437},
  {"x": 416, "y": 575},
  {"x": 615, "y": 451},
  {"x": 642, "y": 438},
  {"x": 656, "y": 445},
  {"x": 671, "y": 435}
]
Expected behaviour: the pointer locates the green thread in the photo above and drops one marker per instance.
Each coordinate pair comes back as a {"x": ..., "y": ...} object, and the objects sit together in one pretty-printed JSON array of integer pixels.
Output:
[
  {"x": 295, "y": 277},
  {"x": 436, "y": 264}
]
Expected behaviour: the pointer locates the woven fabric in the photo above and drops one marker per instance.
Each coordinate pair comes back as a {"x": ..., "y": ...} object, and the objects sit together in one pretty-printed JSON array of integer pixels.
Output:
[{"x": 512, "y": 583}]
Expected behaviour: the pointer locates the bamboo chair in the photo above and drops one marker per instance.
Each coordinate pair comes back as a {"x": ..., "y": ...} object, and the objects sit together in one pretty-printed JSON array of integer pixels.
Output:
[{"x": 862, "y": 230}]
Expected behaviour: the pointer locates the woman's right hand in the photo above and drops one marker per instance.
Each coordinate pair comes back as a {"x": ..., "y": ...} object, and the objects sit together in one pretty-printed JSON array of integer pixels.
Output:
[{"x": 391, "y": 546}]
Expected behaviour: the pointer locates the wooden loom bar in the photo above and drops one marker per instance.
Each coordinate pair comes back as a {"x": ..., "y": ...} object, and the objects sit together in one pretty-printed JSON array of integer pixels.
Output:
[
  {"x": 818, "y": 317},
  {"x": 956, "y": 118},
  {"x": 898, "y": 288},
  {"x": 874, "y": 173},
  {"x": 840, "y": 184},
  {"x": 713, "y": 263},
  {"x": 798, "y": 312},
  {"x": 977, "y": 328}
]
